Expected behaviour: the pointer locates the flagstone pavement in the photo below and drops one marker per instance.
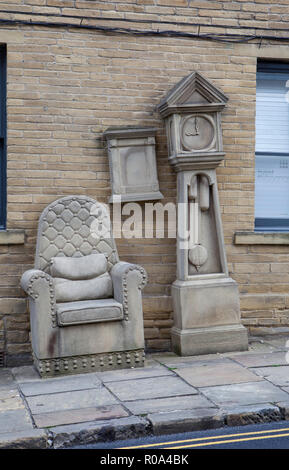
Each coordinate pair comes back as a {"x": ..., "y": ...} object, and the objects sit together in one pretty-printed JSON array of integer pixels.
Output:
[{"x": 170, "y": 394}]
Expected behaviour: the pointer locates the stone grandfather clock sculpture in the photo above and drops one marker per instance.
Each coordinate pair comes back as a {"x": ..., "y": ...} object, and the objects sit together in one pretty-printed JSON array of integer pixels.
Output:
[{"x": 205, "y": 298}]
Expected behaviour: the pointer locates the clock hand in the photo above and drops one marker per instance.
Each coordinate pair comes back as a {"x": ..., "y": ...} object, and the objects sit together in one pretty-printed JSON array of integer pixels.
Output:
[{"x": 195, "y": 131}]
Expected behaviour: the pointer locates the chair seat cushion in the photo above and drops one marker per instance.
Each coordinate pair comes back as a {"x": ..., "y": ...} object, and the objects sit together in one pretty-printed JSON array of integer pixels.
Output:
[{"x": 88, "y": 311}]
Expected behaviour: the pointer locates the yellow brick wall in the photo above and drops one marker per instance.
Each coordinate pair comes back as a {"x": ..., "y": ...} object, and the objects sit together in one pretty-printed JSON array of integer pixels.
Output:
[{"x": 65, "y": 86}]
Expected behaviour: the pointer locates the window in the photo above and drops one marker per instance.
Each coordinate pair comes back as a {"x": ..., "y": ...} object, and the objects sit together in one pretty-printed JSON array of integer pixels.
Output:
[
  {"x": 2, "y": 137},
  {"x": 272, "y": 147}
]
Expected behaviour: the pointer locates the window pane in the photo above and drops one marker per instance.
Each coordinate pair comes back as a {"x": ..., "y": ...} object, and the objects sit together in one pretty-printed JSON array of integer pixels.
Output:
[
  {"x": 272, "y": 113},
  {"x": 272, "y": 147},
  {"x": 272, "y": 187}
]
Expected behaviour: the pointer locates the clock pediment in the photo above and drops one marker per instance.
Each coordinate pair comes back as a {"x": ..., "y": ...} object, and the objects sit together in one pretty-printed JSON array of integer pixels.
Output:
[
  {"x": 192, "y": 93},
  {"x": 195, "y": 98}
]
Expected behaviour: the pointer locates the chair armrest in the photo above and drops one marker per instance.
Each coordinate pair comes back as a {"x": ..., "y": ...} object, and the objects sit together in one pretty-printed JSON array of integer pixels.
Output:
[
  {"x": 128, "y": 281},
  {"x": 40, "y": 288},
  {"x": 31, "y": 285},
  {"x": 121, "y": 270}
]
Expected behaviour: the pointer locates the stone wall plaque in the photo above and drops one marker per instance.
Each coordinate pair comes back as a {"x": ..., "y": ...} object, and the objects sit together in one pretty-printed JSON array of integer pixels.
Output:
[{"x": 132, "y": 162}]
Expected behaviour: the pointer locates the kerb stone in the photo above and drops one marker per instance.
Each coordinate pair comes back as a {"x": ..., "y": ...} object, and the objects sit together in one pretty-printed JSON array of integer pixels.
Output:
[{"x": 183, "y": 421}]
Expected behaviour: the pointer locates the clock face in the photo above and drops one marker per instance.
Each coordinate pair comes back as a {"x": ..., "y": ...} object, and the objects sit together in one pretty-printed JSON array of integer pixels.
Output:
[{"x": 198, "y": 133}]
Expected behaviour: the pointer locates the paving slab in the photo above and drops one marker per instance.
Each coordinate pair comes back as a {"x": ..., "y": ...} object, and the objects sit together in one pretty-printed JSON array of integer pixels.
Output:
[
  {"x": 65, "y": 384},
  {"x": 10, "y": 400},
  {"x": 279, "y": 343},
  {"x": 216, "y": 373},
  {"x": 150, "y": 361},
  {"x": 155, "y": 387},
  {"x": 260, "y": 346},
  {"x": 183, "y": 421},
  {"x": 130, "y": 374},
  {"x": 25, "y": 374},
  {"x": 278, "y": 375},
  {"x": 161, "y": 357},
  {"x": 70, "y": 400},
  {"x": 252, "y": 414},
  {"x": 131, "y": 427},
  {"x": 83, "y": 415},
  {"x": 6, "y": 379},
  {"x": 174, "y": 361},
  {"x": 14, "y": 421},
  {"x": 245, "y": 394},
  {"x": 159, "y": 405},
  {"x": 32, "y": 439},
  {"x": 261, "y": 359}
]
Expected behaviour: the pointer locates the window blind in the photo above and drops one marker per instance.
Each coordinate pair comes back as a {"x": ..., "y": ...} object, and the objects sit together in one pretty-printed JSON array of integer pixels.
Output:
[
  {"x": 272, "y": 113},
  {"x": 2, "y": 137},
  {"x": 272, "y": 151}
]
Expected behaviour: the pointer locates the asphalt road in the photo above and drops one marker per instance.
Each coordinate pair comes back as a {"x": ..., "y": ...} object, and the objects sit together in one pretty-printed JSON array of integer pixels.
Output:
[{"x": 260, "y": 436}]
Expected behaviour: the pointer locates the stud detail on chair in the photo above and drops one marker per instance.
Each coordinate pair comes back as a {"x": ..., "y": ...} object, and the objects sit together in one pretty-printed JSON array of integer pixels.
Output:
[
  {"x": 124, "y": 284},
  {"x": 90, "y": 363}
]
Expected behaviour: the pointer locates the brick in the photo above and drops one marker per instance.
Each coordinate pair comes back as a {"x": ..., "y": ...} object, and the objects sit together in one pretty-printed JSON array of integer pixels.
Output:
[
  {"x": 159, "y": 304},
  {"x": 256, "y": 302},
  {"x": 251, "y": 267},
  {"x": 17, "y": 336},
  {"x": 12, "y": 306},
  {"x": 280, "y": 267}
]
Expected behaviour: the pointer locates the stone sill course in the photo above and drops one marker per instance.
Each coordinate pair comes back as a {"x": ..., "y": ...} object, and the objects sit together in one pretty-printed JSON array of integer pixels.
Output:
[
  {"x": 171, "y": 394},
  {"x": 12, "y": 237},
  {"x": 261, "y": 238}
]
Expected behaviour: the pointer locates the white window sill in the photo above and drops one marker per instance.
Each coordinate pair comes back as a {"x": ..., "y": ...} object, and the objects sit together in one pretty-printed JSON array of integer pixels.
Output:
[{"x": 12, "y": 237}]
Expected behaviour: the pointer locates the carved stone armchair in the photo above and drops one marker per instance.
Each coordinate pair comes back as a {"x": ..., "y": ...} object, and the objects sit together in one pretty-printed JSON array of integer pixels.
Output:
[{"x": 85, "y": 305}]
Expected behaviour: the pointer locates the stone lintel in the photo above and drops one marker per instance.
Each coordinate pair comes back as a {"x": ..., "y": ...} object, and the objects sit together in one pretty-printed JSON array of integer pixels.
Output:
[{"x": 128, "y": 132}]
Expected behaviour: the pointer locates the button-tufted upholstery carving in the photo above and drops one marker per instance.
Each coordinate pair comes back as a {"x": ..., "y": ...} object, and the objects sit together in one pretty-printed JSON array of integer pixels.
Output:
[
  {"x": 100, "y": 337},
  {"x": 67, "y": 227}
]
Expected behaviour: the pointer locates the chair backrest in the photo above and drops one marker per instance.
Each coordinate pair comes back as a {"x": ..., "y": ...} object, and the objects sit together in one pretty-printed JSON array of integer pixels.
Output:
[{"x": 74, "y": 226}]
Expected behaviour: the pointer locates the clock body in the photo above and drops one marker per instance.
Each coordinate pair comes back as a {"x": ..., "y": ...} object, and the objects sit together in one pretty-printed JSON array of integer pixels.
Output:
[
  {"x": 192, "y": 114},
  {"x": 194, "y": 137}
]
